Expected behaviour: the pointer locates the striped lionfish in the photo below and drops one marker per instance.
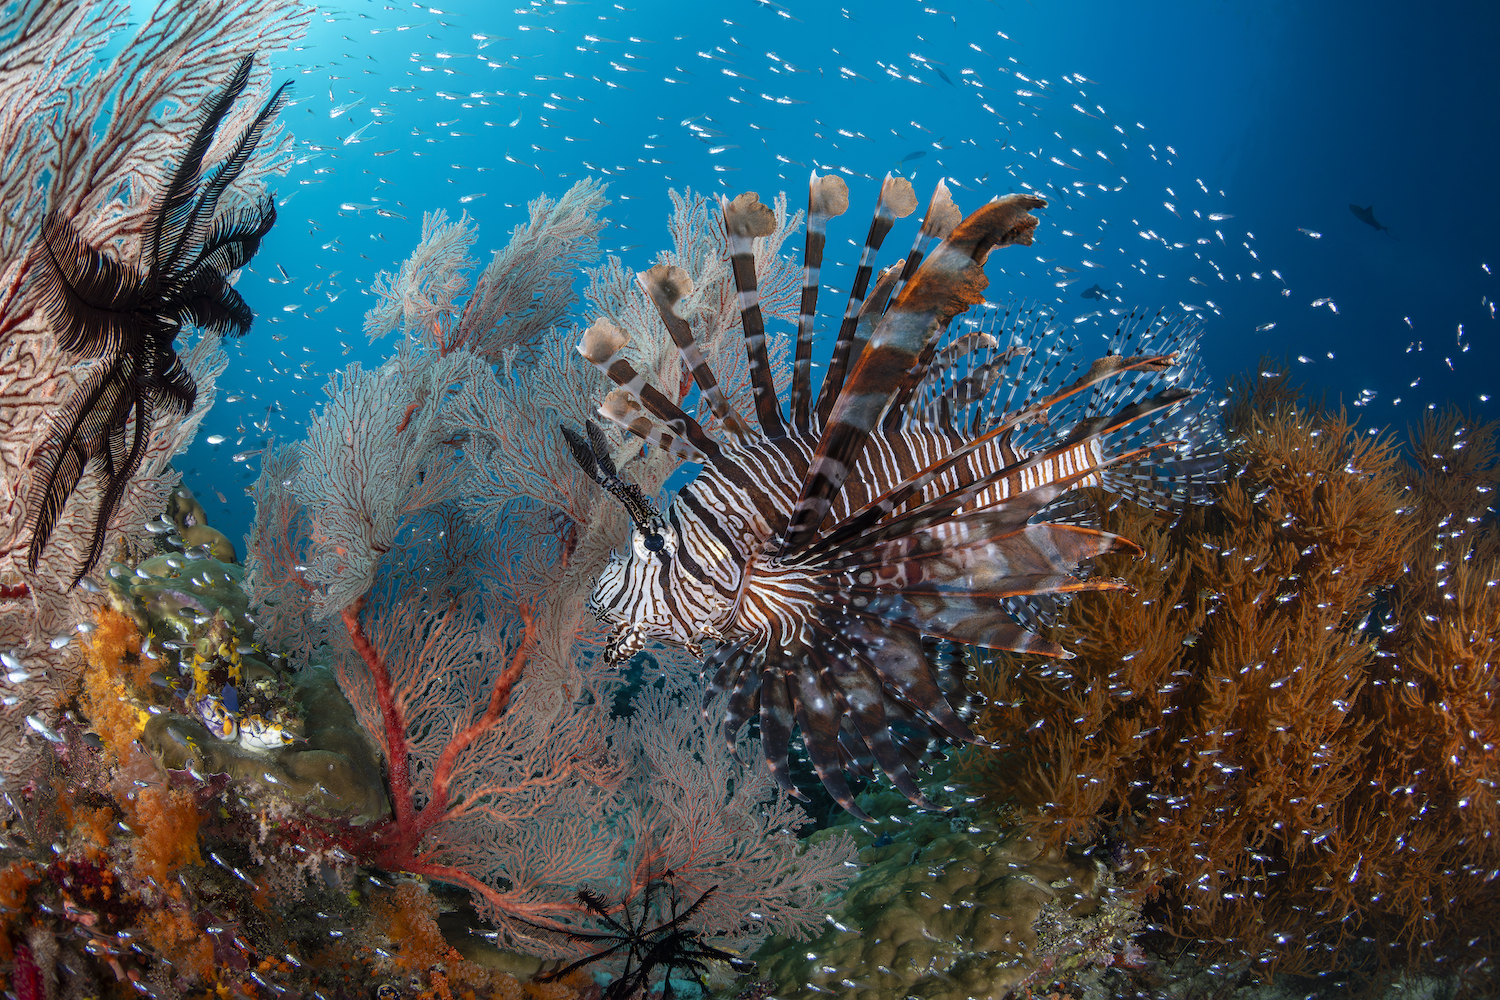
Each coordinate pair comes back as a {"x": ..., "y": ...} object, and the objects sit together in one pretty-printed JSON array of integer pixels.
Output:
[{"x": 821, "y": 550}]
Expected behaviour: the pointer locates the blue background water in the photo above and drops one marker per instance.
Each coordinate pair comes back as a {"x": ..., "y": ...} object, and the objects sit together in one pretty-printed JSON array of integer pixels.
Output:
[{"x": 1285, "y": 112}]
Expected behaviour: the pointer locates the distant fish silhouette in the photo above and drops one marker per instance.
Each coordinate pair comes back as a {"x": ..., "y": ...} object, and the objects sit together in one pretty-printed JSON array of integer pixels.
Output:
[
  {"x": 1094, "y": 293},
  {"x": 914, "y": 155},
  {"x": 1367, "y": 216}
]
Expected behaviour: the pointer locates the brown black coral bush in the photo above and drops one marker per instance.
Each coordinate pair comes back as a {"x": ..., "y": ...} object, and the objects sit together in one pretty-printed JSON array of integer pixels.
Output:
[{"x": 1291, "y": 725}]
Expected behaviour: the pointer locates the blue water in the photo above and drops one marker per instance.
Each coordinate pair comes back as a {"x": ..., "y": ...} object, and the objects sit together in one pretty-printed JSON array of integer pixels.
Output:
[{"x": 1276, "y": 115}]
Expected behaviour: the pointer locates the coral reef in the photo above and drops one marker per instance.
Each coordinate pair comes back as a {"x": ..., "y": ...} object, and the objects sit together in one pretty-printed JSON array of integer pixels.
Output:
[
  {"x": 96, "y": 121},
  {"x": 1288, "y": 733},
  {"x": 949, "y": 906}
]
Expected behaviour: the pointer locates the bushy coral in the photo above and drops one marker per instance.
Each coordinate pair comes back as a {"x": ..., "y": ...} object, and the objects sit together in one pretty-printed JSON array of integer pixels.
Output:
[
  {"x": 1289, "y": 729},
  {"x": 951, "y": 906}
]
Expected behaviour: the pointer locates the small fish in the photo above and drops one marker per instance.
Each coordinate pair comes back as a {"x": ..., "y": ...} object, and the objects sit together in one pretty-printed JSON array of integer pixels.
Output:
[
  {"x": 89, "y": 585},
  {"x": 47, "y": 732},
  {"x": 234, "y": 397},
  {"x": 1367, "y": 216},
  {"x": 915, "y": 154},
  {"x": 215, "y": 439},
  {"x": 1219, "y": 216},
  {"x": 1094, "y": 292},
  {"x": 1316, "y": 236},
  {"x": 59, "y": 641},
  {"x": 11, "y": 662}
]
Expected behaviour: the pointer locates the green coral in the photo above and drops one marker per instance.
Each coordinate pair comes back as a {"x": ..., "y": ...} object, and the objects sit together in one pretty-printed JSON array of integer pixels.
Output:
[
  {"x": 948, "y": 907},
  {"x": 215, "y": 707}
]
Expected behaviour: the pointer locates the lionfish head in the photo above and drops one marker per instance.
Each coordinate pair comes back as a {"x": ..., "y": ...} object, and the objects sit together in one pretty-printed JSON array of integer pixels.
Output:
[{"x": 640, "y": 589}]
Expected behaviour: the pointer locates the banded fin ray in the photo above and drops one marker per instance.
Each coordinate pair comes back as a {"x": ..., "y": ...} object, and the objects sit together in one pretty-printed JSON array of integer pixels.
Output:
[
  {"x": 897, "y": 201},
  {"x": 745, "y": 218},
  {"x": 950, "y": 280},
  {"x": 603, "y": 345},
  {"x": 666, "y": 286},
  {"x": 827, "y": 197}
]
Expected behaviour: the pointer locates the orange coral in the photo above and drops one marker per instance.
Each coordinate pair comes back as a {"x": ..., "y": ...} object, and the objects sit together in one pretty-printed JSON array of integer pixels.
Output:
[
  {"x": 1291, "y": 723},
  {"x": 409, "y": 919},
  {"x": 114, "y": 665},
  {"x": 166, "y": 827},
  {"x": 16, "y": 880},
  {"x": 173, "y": 932}
]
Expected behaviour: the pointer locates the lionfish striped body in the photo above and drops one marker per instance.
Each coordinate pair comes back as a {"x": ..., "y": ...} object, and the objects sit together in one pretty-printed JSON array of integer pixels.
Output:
[{"x": 820, "y": 551}]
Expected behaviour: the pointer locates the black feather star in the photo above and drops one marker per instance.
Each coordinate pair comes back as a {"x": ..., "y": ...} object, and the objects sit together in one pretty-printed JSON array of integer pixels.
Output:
[
  {"x": 128, "y": 317},
  {"x": 669, "y": 947}
]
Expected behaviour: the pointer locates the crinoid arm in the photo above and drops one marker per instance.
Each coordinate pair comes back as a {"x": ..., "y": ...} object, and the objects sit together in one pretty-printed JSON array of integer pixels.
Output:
[{"x": 128, "y": 317}]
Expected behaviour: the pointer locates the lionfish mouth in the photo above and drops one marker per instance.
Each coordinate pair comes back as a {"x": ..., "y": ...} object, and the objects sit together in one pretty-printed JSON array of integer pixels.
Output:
[{"x": 927, "y": 498}]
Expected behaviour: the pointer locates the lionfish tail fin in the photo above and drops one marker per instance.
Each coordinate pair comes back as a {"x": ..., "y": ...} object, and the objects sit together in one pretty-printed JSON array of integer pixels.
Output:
[
  {"x": 827, "y": 196},
  {"x": 745, "y": 218}
]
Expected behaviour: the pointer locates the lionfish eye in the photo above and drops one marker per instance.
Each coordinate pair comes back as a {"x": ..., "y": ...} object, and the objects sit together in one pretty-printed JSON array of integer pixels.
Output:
[{"x": 654, "y": 542}]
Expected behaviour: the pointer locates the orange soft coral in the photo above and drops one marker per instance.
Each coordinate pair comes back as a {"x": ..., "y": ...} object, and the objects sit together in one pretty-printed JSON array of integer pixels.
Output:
[
  {"x": 166, "y": 827},
  {"x": 175, "y": 933},
  {"x": 409, "y": 916},
  {"x": 115, "y": 671},
  {"x": 16, "y": 880}
]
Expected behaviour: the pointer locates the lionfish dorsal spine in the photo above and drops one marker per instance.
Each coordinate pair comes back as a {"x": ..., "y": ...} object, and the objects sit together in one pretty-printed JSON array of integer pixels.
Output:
[
  {"x": 950, "y": 280},
  {"x": 873, "y": 309},
  {"x": 897, "y": 201},
  {"x": 941, "y": 218},
  {"x": 625, "y": 412},
  {"x": 745, "y": 218},
  {"x": 827, "y": 196},
  {"x": 666, "y": 286},
  {"x": 603, "y": 346}
]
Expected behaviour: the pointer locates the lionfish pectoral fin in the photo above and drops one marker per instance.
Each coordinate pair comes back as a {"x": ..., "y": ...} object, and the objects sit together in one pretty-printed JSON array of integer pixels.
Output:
[
  {"x": 894, "y": 651},
  {"x": 819, "y": 709},
  {"x": 776, "y": 717},
  {"x": 865, "y": 707}
]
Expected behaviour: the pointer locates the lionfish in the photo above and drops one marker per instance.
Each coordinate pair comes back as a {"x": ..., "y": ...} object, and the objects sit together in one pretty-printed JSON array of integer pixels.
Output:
[
  {"x": 129, "y": 315},
  {"x": 825, "y": 552}
]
